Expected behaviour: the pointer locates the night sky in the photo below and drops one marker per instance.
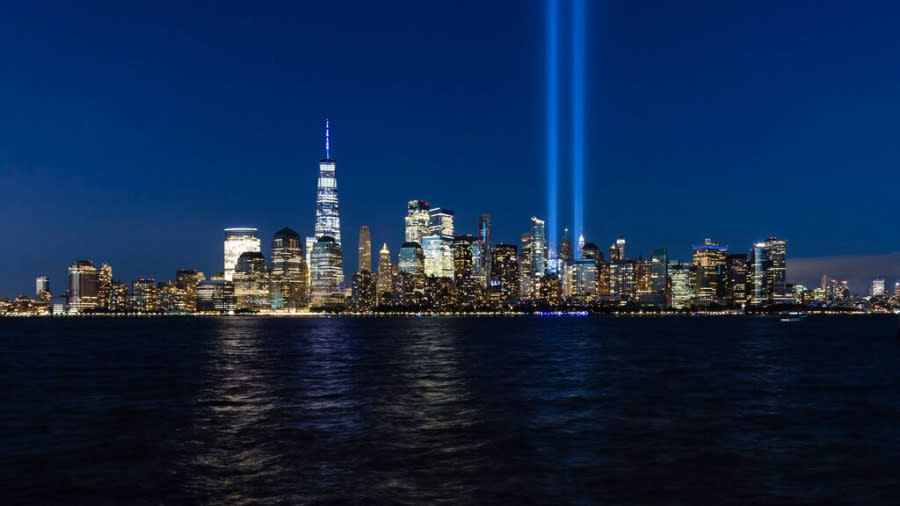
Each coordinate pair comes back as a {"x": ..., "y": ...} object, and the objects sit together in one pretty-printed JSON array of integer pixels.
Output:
[{"x": 134, "y": 134}]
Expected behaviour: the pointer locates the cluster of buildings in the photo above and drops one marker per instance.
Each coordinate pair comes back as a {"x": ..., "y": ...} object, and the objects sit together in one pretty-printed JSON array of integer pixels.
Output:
[{"x": 438, "y": 269}]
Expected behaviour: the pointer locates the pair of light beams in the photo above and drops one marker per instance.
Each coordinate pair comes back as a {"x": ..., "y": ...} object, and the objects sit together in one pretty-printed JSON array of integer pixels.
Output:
[{"x": 577, "y": 116}]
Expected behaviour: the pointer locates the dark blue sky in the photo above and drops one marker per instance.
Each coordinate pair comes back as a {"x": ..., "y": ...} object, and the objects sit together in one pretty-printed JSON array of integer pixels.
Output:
[{"x": 134, "y": 134}]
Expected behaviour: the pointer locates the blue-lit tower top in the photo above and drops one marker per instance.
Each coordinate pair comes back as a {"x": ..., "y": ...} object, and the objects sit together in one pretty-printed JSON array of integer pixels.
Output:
[{"x": 328, "y": 219}]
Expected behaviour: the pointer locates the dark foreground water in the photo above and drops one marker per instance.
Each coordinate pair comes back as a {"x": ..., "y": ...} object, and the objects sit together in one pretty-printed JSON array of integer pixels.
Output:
[{"x": 455, "y": 411}]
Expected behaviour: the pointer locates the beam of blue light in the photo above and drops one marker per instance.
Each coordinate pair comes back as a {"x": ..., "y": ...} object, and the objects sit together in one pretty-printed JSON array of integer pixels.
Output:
[
  {"x": 578, "y": 104},
  {"x": 552, "y": 48}
]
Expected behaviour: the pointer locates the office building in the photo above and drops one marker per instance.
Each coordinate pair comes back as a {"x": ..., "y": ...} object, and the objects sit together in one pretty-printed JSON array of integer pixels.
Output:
[
  {"x": 504, "y": 285},
  {"x": 441, "y": 223},
  {"x": 289, "y": 290},
  {"x": 186, "y": 283},
  {"x": 467, "y": 289},
  {"x": 877, "y": 288},
  {"x": 736, "y": 279},
  {"x": 384, "y": 283},
  {"x": 363, "y": 298},
  {"x": 709, "y": 261},
  {"x": 251, "y": 283},
  {"x": 326, "y": 274},
  {"x": 41, "y": 286},
  {"x": 328, "y": 218},
  {"x": 438, "y": 256},
  {"x": 538, "y": 246},
  {"x": 84, "y": 287},
  {"x": 144, "y": 296},
  {"x": 365, "y": 250},
  {"x": 769, "y": 273},
  {"x": 238, "y": 240},
  {"x": 682, "y": 293},
  {"x": 417, "y": 221}
]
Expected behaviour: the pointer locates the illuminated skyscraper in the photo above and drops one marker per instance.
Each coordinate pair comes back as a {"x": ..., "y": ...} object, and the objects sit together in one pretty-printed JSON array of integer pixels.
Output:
[
  {"x": 411, "y": 269},
  {"x": 186, "y": 283},
  {"x": 418, "y": 220},
  {"x": 565, "y": 247},
  {"x": 326, "y": 274},
  {"x": 289, "y": 271},
  {"x": 328, "y": 219},
  {"x": 659, "y": 271},
  {"x": 42, "y": 289},
  {"x": 769, "y": 273},
  {"x": 251, "y": 283},
  {"x": 538, "y": 247},
  {"x": 682, "y": 291},
  {"x": 876, "y": 288},
  {"x": 363, "y": 297},
  {"x": 384, "y": 283},
  {"x": 736, "y": 279},
  {"x": 504, "y": 284},
  {"x": 144, "y": 295},
  {"x": 83, "y": 286},
  {"x": 617, "y": 250},
  {"x": 438, "y": 256},
  {"x": 365, "y": 250},
  {"x": 709, "y": 260},
  {"x": 441, "y": 223},
  {"x": 526, "y": 281},
  {"x": 467, "y": 290},
  {"x": 238, "y": 241},
  {"x": 104, "y": 286}
]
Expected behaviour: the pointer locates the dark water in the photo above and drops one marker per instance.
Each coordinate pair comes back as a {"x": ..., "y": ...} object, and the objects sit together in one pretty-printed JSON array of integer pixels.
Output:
[{"x": 454, "y": 411}]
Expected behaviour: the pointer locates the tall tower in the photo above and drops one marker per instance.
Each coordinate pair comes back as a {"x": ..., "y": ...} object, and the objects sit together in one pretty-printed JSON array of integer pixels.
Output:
[
  {"x": 365, "y": 250},
  {"x": 238, "y": 240},
  {"x": 328, "y": 219}
]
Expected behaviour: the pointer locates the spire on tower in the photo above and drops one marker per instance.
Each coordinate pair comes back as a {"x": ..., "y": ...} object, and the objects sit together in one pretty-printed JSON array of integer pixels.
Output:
[{"x": 327, "y": 140}]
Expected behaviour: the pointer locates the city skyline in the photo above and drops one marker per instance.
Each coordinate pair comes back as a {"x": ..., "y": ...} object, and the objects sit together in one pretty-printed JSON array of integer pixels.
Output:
[{"x": 117, "y": 167}]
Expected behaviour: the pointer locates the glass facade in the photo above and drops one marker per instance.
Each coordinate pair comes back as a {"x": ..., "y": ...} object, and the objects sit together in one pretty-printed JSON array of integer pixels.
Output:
[
  {"x": 438, "y": 256},
  {"x": 441, "y": 223},
  {"x": 417, "y": 221},
  {"x": 326, "y": 273},
  {"x": 238, "y": 240}
]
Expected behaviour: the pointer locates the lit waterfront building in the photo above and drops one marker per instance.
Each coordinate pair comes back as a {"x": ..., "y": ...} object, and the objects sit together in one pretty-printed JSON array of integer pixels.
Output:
[
  {"x": 467, "y": 289},
  {"x": 417, "y": 221},
  {"x": 565, "y": 247},
  {"x": 251, "y": 282},
  {"x": 83, "y": 286},
  {"x": 411, "y": 269},
  {"x": 118, "y": 300},
  {"x": 438, "y": 256},
  {"x": 877, "y": 288},
  {"x": 104, "y": 286},
  {"x": 659, "y": 271},
  {"x": 538, "y": 246},
  {"x": 289, "y": 272},
  {"x": 682, "y": 292},
  {"x": 617, "y": 250},
  {"x": 41, "y": 286},
  {"x": 238, "y": 240},
  {"x": 736, "y": 279},
  {"x": 441, "y": 223},
  {"x": 328, "y": 218},
  {"x": 168, "y": 296},
  {"x": 363, "y": 298},
  {"x": 709, "y": 260},
  {"x": 365, "y": 250},
  {"x": 526, "y": 283},
  {"x": 144, "y": 295},
  {"x": 186, "y": 283},
  {"x": 215, "y": 295},
  {"x": 584, "y": 279},
  {"x": 384, "y": 283},
  {"x": 326, "y": 274},
  {"x": 769, "y": 273},
  {"x": 504, "y": 286}
]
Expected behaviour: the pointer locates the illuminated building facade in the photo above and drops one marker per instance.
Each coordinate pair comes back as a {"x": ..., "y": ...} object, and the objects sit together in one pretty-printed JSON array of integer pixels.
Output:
[
  {"x": 769, "y": 273},
  {"x": 186, "y": 283},
  {"x": 363, "y": 297},
  {"x": 467, "y": 289},
  {"x": 526, "y": 283},
  {"x": 289, "y": 289},
  {"x": 84, "y": 287},
  {"x": 328, "y": 217},
  {"x": 441, "y": 223},
  {"x": 251, "y": 283},
  {"x": 504, "y": 285},
  {"x": 365, "y": 250},
  {"x": 327, "y": 274},
  {"x": 659, "y": 271},
  {"x": 538, "y": 247},
  {"x": 104, "y": 286},
  {"x": 144, "y": 295},
  {"x": 736, "y": 279},
  {"x": 238, "y": 240},
  {"x": 709, "y": 260},
  {"x": 384, "y": 282},
  {"x": 42, "y": 289},
  {"x": 417, "y": 221},
  {"x": 682, "y": 291},
  {"x": 438, "y": 256}
]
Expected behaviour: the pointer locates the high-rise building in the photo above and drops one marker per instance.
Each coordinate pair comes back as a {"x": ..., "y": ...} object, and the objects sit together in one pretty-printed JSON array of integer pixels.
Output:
[
  {"x": 438, "y": 256},
  {"x": 736, "y": 279},
  {"x": 84, "y": 286},
  {"x": 467, "y": 289},
  {"x": 504, "y": 284},
  {"x": 584, "y": 279},
  {"x": 526, "y": 281},
  {"x": 538, "y": 247},
  {"x": 897, "y": 289},
  {"x": 384, "y": 283},
  {"x": 418, "y": 220},
  {"x": 251, "y": 283},
  {"x": 326, "y": 274},
  {"x": 289, "y": 290},
  {"x": 565, "y": 247},
  {"x": 441, "y": 223},
  {"x": 119, "y": 302},
  {"x": 590, "y": 250},
  {"x": 238, "y": 240},
  {"x": 363, "y": 298},
  {"x": 328, "y": 217},
  {"x": 682, "y": 292},
  {"x": 617, "y": 250},
  {"x": 484, "y": 228},
  {"x": 365, "y": 250},
  {"x": 144, "y": 295},
  {"x": 659, "y": 274},
  {"x": 769, "y": 273},
  {"x": 411, "y": 259},
  {"x": 186, "y": 283},
  {"x": 877, "y": 288},
  {"x": 104, "y": 286},
  {"x": 709, "y": 260},
  {"x": 41, "y": 286}
]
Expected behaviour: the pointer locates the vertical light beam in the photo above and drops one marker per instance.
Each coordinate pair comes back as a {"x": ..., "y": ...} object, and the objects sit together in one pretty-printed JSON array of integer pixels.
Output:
[
  {"x": 578, "y": 104},
  {"x": 552, "y": 60}
]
